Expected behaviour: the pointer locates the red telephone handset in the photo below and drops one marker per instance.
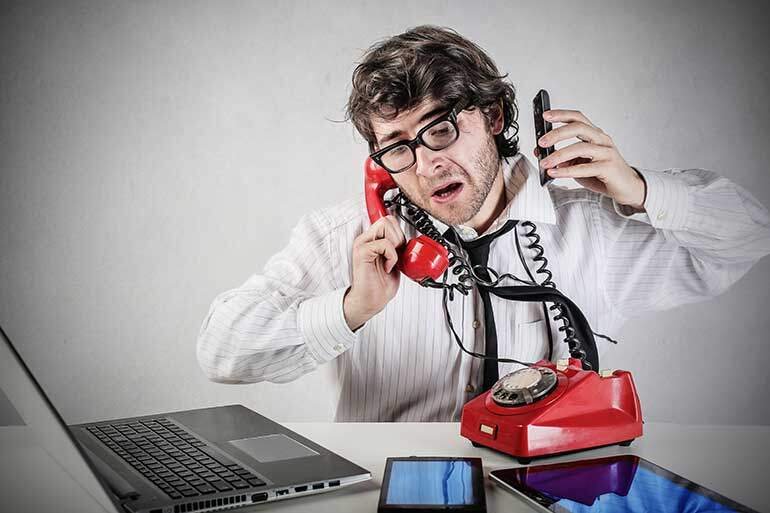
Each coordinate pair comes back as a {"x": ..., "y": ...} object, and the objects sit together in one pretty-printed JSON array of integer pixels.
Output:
[{"x": 420, "y": 258}]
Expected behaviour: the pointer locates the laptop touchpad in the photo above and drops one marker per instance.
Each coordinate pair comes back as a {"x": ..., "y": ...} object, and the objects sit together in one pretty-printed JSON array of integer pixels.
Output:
[{"x": 273, "y": 448}]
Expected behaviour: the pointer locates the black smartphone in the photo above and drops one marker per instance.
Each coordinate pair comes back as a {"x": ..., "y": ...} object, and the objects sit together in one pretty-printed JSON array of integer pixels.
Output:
[{"x": 540, "y": 104}]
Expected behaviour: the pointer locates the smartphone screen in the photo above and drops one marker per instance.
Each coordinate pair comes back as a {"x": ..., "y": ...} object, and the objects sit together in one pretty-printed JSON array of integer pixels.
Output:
[
  {"x": 618, "y": 483},
  {"x": 427, "y": 484}
]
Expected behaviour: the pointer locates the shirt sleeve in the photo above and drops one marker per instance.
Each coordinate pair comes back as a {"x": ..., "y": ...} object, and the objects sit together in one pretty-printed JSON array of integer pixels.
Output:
[
  {"x": 282, "y": 323},
  {"x": 698, "y": 235}
]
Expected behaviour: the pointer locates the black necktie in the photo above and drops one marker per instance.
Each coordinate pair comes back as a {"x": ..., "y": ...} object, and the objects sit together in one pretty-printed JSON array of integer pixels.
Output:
[{"x": 478, "y": 254}]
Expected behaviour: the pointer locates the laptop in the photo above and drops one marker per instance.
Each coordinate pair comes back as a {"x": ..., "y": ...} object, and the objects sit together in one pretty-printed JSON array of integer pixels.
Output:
[{"x": 207, "y": 459}]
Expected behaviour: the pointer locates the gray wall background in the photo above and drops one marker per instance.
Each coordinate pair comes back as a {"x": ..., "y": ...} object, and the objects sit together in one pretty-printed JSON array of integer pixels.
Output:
[{"x": 154, "y": 154}]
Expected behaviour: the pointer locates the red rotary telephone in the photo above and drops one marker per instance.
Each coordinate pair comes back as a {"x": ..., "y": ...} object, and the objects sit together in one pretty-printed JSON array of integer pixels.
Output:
[
  {"x": 421, "y": 258},
  {"x": 549, "y": 409},
  {"x": 540, "y": 410}
]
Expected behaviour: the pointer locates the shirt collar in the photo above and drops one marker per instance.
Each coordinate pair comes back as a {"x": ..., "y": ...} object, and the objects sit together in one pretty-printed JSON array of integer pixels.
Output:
[{"x": 526, "y": 199}]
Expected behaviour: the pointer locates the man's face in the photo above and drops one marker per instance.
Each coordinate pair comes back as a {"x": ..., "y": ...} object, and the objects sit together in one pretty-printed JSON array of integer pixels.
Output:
[{"x": 451, "y": 184}]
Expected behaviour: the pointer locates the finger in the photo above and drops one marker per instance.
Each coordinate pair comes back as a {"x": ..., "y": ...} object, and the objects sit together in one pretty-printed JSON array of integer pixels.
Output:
[
  {"x": 574, "y": 162},
  {"x": 380, "y": 248},
  {"x": 578, "y": 171},
  {"x": 584, "y": 132},
  {"x": 385, "y": 228},
  {"x": 573, "y": 151},
  {"x": 377, "y": 230},
  {"x": 565, "y": 116},
  {"x": 398, "y": 238}
]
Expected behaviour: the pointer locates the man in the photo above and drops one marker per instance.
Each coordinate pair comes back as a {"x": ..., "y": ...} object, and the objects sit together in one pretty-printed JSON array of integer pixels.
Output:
[{"x": 437, "y": 113}]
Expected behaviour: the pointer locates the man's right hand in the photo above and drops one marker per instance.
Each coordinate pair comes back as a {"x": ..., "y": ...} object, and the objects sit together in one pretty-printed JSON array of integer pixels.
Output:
[{"x": 375, "y": 275}]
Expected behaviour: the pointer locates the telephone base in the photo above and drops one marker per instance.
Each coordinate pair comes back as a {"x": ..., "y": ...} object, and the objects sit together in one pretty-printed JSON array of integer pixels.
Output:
[
  {"x": 527, "y": 461},
  {"x": 583, "y": 411}
]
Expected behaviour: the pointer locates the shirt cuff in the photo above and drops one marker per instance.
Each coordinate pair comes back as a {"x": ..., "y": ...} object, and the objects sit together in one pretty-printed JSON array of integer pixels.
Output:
[
  {"x": 321, "y": 321},
  {"x": 666, "y": 205}
]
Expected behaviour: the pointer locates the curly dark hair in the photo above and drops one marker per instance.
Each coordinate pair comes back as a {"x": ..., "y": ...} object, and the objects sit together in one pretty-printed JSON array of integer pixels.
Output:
[{"x": 430, "y": 63}]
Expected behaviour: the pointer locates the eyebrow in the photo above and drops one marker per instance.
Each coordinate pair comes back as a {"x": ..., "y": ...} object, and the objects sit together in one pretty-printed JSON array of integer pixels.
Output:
[{"x": 398, "y": 133}]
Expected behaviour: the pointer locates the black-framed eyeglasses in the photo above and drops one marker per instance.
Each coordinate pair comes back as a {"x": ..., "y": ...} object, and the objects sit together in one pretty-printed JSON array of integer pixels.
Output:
[{"x": 436, "y": 135}]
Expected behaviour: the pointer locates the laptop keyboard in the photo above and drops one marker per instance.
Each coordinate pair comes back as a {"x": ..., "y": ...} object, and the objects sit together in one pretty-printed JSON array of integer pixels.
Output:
[{"x": 177, "y": 462}]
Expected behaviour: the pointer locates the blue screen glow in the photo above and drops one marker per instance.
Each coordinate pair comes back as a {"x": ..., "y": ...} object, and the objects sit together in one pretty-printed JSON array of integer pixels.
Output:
[
  {"x": 430, "y": 482},
  {"x": 648, "y": 492}
]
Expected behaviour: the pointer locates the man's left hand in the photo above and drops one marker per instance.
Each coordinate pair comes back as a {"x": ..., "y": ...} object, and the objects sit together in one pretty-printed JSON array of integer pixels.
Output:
[{"x": 594, "y": 162}]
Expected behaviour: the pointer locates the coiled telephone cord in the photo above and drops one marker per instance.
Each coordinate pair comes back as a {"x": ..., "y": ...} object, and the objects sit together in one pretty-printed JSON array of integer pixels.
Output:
[
  {"x": 468, "y": 275},
  {"x": 534, "y": 244}
]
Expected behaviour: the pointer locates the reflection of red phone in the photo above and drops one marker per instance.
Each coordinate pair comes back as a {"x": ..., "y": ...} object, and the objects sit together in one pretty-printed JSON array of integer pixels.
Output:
[{"x": 422, "y": 257}]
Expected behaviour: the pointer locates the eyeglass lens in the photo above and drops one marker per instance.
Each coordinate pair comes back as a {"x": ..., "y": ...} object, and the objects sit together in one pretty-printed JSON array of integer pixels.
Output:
[{"x": 435, "y": 138}]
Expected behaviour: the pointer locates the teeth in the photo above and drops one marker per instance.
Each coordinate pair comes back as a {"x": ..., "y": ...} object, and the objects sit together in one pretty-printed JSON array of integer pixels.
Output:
[{"x": 446, "y": 190}]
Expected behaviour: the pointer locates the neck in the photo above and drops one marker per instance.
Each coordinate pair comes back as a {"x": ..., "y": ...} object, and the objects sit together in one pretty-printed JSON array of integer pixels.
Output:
[{"x": 492, "y": 207}]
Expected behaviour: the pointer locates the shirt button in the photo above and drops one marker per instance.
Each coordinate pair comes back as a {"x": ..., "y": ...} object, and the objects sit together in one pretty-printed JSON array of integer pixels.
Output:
[
  {"x": 339, "y": 348},
  {"x": 661, "y": 215},
  {"x": 476, "y": 325},
  {"x": 470, "y": 388}
]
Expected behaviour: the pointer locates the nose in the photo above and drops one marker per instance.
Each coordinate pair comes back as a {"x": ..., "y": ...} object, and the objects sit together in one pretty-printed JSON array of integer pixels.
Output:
[{"x": 428, "y": 162}]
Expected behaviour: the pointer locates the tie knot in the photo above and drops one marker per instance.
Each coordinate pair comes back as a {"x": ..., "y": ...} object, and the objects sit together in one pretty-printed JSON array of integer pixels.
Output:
[
  {"x": 478, "y": 249},
  {"x": 484, "y": 241}
]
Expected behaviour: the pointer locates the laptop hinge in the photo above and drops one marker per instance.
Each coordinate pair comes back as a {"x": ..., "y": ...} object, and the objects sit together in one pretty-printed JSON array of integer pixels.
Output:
[{"x": 119, "y": 486}]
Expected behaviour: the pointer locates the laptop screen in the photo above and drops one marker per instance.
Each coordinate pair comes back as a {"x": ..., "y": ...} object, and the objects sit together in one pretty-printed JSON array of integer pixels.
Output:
[
  {"x": 43, "y": 436},
  {"x": 8, "y": 414}
]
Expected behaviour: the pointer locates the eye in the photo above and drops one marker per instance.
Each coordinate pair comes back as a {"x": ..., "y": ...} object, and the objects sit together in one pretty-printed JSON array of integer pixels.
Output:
[
  {"x": 439, "y": 131},
  {"x": 398, "y": 150},
  {"x": 441, "y": 134}
]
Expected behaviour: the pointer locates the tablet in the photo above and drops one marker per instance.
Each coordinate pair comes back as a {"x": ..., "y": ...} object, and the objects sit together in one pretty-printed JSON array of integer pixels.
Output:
[
  {"x": 432, "y": 484},
  {"x": 617, "y": 483}
]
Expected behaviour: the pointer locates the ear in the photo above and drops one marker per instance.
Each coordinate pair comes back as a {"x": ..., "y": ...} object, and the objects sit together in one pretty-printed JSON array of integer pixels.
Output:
[{"x": 496, "y": 117}]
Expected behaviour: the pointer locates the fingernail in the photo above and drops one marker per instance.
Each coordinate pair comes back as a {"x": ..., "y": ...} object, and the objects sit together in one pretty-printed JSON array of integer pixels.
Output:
[{"x": 542, "y": 143}]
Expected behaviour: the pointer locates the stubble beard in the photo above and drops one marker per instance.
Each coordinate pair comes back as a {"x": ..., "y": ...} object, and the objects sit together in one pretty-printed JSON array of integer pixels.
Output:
[{"x": 487, "y": 162}]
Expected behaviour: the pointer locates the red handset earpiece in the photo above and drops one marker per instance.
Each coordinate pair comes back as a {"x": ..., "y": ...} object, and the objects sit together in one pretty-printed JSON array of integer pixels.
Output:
[{"x": 422, "y": 257}]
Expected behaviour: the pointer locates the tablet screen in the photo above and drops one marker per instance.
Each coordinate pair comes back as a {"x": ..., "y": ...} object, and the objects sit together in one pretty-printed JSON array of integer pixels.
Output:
[
  {"x": 616, "y": 484},
  {"x": 447, "y": 483}
]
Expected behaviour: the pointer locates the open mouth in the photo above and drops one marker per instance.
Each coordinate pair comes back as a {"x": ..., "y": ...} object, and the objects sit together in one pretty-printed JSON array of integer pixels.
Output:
[{"x": 447, "y": 192}]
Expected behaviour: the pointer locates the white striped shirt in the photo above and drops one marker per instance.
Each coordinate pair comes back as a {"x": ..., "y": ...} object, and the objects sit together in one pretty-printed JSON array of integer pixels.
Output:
[{"x": 699, "y": 234}]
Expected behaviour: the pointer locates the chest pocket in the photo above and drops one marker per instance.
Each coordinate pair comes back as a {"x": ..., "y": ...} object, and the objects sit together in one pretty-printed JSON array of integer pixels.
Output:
[
  {"x": 529, "y": 345},
  {"x": 528, "y": 340},
  {"x": 531, "y": 340}
]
